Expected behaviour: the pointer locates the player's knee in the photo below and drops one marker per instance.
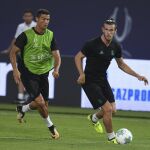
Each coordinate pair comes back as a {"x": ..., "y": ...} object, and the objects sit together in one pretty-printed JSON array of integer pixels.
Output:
[
  {"x": 40, "y": 102},
  {"x": 113, "y": 108},
  {"x": 46, "y": 102},
  {"x": 107, "y": 109}
]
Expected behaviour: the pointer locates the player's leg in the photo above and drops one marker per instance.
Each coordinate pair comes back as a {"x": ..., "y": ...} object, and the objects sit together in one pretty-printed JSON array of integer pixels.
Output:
[
  {"x": 21, "y": 89},
  {"x": 31, "y": 84},
  {"x": 46, "y": 103},
  {"x": 44, "y": 86},
  {"x": 20, "y": 97},
  {"x": 22, "y": 109},
  {"x": 33, "y": 87},
  {"x": 114, "y": 110},
  {"x": 93, "y": 94},
  {"x": 40, "y": 103},
  {"x": 107, "y": 116},
  {"x": 100, "y": 114},
  {"x": 107, "y": 92},
  {"x": 108, "y": 109},
  {"x": 107, "y": 120},
  {"x": 43, "y": 110},
  {"x": 98, "y": 100}
]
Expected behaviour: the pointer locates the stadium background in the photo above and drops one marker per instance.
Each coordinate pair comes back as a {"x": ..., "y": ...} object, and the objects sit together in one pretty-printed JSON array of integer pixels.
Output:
[{"x": 74, "y": 22}]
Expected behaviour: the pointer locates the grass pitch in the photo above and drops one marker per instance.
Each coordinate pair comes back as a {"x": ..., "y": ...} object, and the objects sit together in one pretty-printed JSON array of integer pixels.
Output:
[{"x": 75, "y": 130}]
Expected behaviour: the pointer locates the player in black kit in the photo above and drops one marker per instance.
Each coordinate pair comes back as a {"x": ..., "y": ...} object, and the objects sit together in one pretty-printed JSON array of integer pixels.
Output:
[{"x": 99, "y": 52}]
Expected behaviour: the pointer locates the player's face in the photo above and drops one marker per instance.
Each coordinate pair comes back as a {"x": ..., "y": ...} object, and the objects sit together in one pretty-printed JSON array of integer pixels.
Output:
[
  {"x": 28, "y": 17},
  {"x": 43, "y": 21},
  {"x": 109, "y": 31}
]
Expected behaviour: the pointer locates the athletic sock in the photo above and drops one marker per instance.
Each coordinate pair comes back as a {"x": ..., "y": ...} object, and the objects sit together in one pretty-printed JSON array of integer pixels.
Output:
[
  {"x": 48, "y": 122},
  {"x": 94, "y": 118},
  {"x": 20, "y": 96},
  {"x": 26, "y": 108},
  {"x": 111, "y": 135}
]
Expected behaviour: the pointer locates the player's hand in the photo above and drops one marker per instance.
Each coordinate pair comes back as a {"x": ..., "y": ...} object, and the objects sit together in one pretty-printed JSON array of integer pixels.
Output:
[
  {"x": 81, "y": 79},
  {"x": 16, "y": 75},
  {"x": 55, "y": 74},
  {"x": 142, "y": 78}
]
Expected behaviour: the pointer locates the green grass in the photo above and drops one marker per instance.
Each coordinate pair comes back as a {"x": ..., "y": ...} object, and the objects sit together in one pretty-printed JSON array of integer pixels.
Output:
[
  {"x": 76, "y": 132},
  {"x": 79, "y": 111}
]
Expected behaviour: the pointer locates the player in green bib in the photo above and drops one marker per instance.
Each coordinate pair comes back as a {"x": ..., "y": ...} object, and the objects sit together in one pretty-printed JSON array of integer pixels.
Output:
[{"x": 39, "y": 55}]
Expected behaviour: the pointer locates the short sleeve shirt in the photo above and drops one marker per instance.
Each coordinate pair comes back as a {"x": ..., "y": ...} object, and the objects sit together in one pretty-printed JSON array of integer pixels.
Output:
[{"x": 99, "y": 56}]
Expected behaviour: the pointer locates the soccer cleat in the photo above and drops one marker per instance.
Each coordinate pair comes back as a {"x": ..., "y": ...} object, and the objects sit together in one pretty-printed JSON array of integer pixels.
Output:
[
  {"x": 54, "y": 132},
  {"x": 20, "y": 114},
  {"x": 114, "y": 141},
  {"x": 97, "y": 126}
]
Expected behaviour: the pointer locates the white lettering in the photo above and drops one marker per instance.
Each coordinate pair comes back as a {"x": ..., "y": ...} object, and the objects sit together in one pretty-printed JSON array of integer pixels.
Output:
[
  {"x": 6, "y": 68},
  {"x": 51, "y": 85}
]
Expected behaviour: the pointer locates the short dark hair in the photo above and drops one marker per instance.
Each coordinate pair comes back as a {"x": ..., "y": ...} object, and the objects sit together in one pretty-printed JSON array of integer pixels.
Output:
[
  {"x": 110, "y": 21},
  {"x": 41, "y": 12},
  {"x": 28, "y": 11}
]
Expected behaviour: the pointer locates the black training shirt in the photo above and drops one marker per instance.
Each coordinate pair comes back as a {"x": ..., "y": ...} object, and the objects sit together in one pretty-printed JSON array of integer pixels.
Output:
[{"x": 99, "y": 56}]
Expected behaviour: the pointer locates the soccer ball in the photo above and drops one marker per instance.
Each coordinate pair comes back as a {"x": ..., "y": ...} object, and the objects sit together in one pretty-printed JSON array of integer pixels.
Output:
[{"x": 124, "y": 136}]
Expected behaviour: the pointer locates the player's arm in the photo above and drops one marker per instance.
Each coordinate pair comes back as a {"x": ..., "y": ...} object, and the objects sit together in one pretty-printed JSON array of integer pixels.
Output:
[
  {"x": 18, "y": 46},
  {"x": 123, "y": 66},
  {"x": 13, "y": 61},
  {"x": 57, "y": 63},
  {"x": 57, "y": 58},
  {"x": 78, "y": 61}
]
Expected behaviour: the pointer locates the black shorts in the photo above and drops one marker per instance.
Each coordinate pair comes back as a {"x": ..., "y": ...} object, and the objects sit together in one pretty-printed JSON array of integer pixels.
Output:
[
  {"x": 98, "y": 92},
  {"x": 35, "y": 84}
]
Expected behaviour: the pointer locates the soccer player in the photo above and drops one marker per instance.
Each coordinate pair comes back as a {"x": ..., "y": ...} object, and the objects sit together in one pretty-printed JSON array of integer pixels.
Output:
[
  {"x": 39, "y": 54},
  {"x": 27, "y": 24},
  {"x": 99, "y": 52}
]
